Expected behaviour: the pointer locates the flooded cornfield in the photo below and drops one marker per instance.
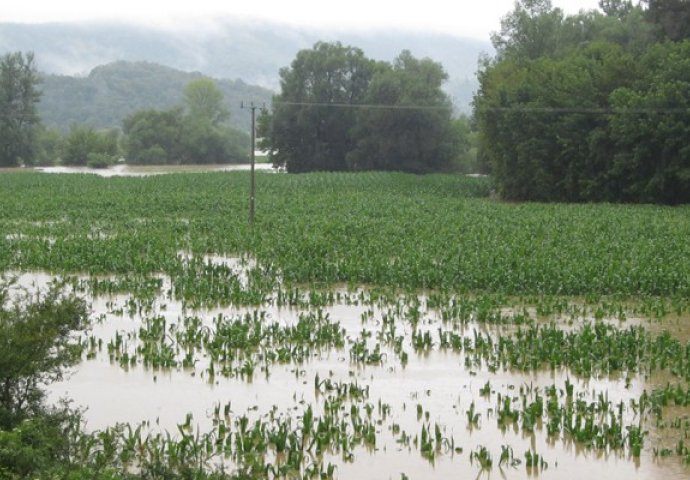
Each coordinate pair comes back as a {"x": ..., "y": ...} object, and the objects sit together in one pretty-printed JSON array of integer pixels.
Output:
[
  {"x": 296, "y": 359},
  {"x": 386, "y": 385}
]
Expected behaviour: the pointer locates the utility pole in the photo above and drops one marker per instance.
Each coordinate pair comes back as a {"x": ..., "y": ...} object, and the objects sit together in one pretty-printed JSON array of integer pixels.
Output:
[{"x": 252, "y": 184}]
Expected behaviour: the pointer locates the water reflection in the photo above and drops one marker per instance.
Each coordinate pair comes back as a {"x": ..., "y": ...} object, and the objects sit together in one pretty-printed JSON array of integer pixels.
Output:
[
  {"x": 438, "y": 381},
  {"x": 123, "y": 170}
]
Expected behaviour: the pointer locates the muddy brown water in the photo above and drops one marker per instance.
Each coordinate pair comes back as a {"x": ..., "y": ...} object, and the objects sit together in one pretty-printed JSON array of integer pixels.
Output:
[
  {"x": 438, "y": 381},
  {"x": 144, "y": 170}
]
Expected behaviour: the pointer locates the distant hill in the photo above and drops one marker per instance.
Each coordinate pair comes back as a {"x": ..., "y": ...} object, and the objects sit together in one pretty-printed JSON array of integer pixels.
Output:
[
  {"x": 252, "y": 51},
  {"x": 111, "y": 92}
]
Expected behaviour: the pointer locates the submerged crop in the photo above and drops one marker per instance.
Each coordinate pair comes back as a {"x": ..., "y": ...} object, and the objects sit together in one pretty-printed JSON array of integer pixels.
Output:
[{"x": 408, "y": 323}]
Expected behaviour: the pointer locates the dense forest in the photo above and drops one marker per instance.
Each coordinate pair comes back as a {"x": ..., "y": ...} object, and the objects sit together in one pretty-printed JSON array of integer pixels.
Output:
[{"x": 589, "y": 107}]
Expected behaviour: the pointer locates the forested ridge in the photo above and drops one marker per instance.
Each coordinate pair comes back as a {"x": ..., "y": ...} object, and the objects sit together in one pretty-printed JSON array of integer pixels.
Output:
[{"x": 111, "y": 92}]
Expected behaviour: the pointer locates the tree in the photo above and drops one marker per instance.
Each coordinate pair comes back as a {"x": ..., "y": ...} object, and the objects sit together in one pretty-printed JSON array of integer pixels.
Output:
[
  {"x": 599, "y": 113},
  {"x": 203, "y": 137},
  {"x": 204, "y": 145},
  {"x": 18, "y": 117},
  {"x": 36, "y": 345},
  {"x": 530, "y": 31},
  {"x": 84, "y": 144},
  {"x": 540, "y": 126},
  {"x": 651, "y": 156},
  {"x": 616, "y": 8},
  {"x": 204, "y": 102},
  {"x": 153, "y": 136},
  {"x": 671, "y": 17},
  {"x": 305, "y": 132},
  {"x": 467, "y": 159},
  {"x": 48, "y": 146},
  {"x": 416, "y": 133},
  {"x": 173, "y": 137}
]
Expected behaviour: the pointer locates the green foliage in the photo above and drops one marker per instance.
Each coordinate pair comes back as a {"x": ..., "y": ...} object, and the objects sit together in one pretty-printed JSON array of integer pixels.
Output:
[
  {"x": 539, "y": 125},
  {"x": 154, "y": 155},
  {"x": 36, "y": 345},
  {"x": 152, "y": 136},
  {"x": 468, "y": 160},
  {"x": 48, "y": 146},
  {"x": 578, "y": 118},
  {"x": 39, "y": 447},
  {"x": 18, "y": 116},
  {"x": 201, "y": 142},
  {"x": 204, "y": 102},
  {"x": 670, "y": 17},
  {"x": 82, "y": 143},
  {"x": 306, "y": 138},
  {"x": 616, "y": 8},
  {"x": 194, "y": 134},
  {"x": 112, "y": 92},
  {"x": 99, "y": 160},
  {"x": 530, "y": 31},
  {"x": 417, "y": 140},
  {"x": 651, "y": 161},
  {"x": 323, "y": 118}
]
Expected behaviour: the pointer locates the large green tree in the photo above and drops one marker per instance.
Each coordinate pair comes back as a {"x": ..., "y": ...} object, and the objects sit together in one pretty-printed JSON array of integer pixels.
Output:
[
  {"x": 84, "y": 144},
  {"x": 339, "y": 110},
  {"x": 410, "y": 129},
  {"x": 310, "y": 128},
  {"x": 599, "y": 113},
  {"x": 651, "y": 155},
  {"x": 543, "y": 123},
  {"x": 671, "y": 17},
  {"x": 153, "y": 136},
  {"x": 531, "y": 30},
  {"x": 204, "y": 137},
  {"x": 18, "y": 117},
  {"x": 194, "y": 132},
  {"x": 204, "y": 102}
]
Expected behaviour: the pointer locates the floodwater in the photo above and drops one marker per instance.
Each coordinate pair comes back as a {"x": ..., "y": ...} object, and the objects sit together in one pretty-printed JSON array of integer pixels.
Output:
[
  {"x": 437, "y": 381},
  {"x": 123, "y": 170}
]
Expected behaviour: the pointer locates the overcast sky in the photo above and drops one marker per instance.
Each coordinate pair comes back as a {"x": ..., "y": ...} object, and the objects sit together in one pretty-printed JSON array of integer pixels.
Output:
[{"x": 460, "y": 17}]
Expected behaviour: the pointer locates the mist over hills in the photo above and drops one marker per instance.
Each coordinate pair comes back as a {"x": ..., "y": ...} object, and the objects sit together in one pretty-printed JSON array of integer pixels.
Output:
[
  {"x": 111, "y": 92},
  {"x": 223, "y": 49}
]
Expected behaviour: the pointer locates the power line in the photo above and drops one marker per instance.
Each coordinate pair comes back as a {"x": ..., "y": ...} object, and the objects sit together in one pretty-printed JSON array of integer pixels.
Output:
[
  {"x": 522, "y": 109},
  {"x": 584, "y": 110},
  {"x": 376, "y": 106}
]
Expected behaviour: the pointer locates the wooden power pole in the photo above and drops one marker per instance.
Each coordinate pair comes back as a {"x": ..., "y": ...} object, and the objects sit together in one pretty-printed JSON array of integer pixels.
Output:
[{"x": 252, "y": 184}]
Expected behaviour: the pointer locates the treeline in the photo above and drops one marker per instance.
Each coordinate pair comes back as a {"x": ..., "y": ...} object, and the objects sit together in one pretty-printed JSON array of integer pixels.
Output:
[
  {"x": 339, "y": 110},
  {"x": 196, "y": 131},
  {"x": 589, "y": 107},
  {"x": 109, "y": 93},
  {"x": 192, "y": 133}
]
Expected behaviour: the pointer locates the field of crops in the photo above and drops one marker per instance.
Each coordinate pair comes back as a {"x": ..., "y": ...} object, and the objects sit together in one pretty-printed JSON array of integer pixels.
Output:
[{"x": 413, "y": 323}]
